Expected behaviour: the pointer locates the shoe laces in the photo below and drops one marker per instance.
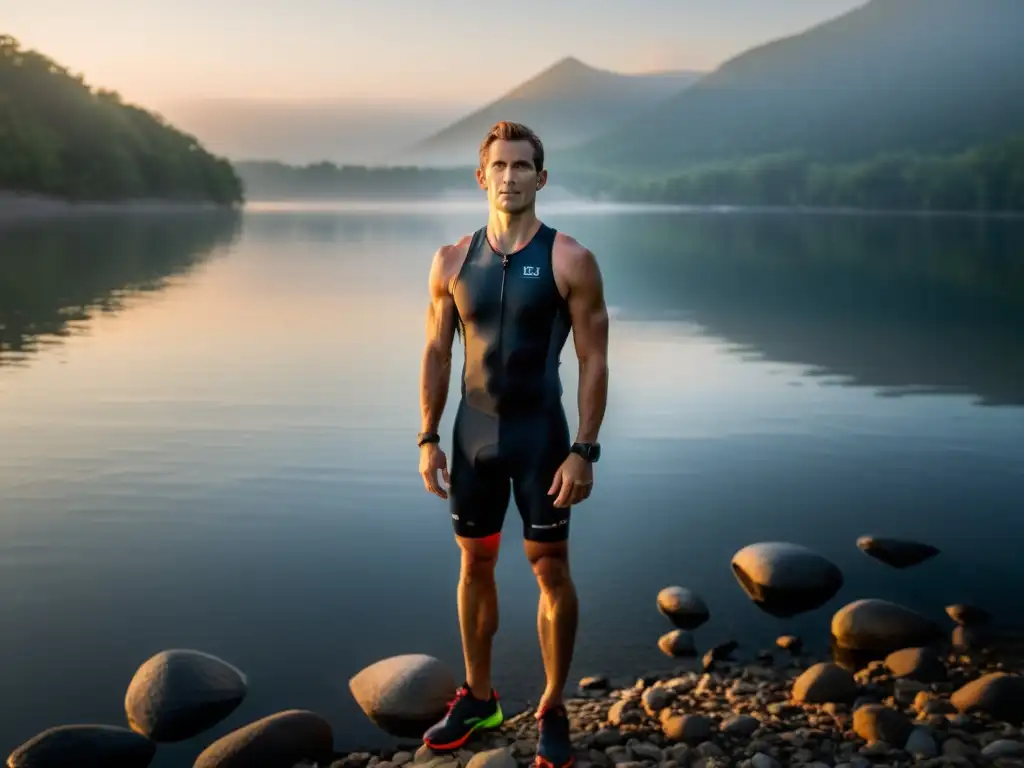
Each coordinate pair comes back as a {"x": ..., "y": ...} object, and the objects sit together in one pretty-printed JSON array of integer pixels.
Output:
[{"x": 459, "y": 695}]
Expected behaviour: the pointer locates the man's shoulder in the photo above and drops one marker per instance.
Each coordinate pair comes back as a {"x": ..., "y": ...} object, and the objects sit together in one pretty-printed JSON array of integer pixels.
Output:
[
  {"x": 571, "y": 257},
  {"x": 569, "y": 246},
  {"x": 454, "y": 251},
  {"x": 452, "y": 254},
  {"x": 447, "y": 261}
]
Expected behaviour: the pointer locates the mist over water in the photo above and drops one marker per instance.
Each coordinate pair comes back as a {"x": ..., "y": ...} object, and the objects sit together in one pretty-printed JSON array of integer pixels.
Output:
[{"x": 208, "y": 426}]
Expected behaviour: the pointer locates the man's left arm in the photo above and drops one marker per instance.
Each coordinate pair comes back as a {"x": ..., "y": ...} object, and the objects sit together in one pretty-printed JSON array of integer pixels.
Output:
[
  {"x": 590, "y": 335},
  {"x": 589, "y": 315}
]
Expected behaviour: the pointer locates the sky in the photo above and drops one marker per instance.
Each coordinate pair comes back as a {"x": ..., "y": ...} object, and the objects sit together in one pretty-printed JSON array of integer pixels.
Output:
[
  {"x": 352, "y": 80},
  {"x": 450, "y": 52}
]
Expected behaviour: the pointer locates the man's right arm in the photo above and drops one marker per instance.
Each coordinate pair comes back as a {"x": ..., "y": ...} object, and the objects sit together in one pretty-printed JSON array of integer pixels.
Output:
[{"x": 435, "y": 371}]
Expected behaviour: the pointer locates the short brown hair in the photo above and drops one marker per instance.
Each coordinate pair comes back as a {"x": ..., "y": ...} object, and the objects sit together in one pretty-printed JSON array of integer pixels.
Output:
[{"x": 508, "y": 131}]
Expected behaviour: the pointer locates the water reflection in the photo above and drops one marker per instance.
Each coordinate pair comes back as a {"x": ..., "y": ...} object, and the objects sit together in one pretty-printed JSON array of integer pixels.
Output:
[
  {"x": 213, "y": 456},
  {"x": 56, "y": 276},
  {"x": 902, "y": 305}
]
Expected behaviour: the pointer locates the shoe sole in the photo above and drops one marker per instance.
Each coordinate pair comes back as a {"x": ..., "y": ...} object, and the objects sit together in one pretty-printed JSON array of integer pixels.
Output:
[
  {"x": 487, "y": 724},
  {"x": 541, "y": 762}
]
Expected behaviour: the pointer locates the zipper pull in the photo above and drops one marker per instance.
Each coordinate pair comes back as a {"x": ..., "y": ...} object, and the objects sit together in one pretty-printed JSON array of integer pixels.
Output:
[{"x": 504, "y": 260}]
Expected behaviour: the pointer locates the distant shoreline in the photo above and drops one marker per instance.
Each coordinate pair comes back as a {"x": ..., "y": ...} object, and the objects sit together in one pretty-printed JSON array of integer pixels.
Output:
[
  {"x": 351, "y": 204},
  {"x": 16, "y": 206}
]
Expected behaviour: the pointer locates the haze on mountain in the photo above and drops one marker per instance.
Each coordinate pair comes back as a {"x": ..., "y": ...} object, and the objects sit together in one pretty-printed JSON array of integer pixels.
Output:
[
  {"x": 892, "y": 75},
  {"x": 301, "y": 132},
  {"x": 568, "y": 103}
]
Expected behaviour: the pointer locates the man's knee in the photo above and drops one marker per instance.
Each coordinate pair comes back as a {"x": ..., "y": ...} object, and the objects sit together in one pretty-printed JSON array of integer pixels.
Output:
[
  {"x": 551, "y": 569},
  {"x": 479, "y": 558}
]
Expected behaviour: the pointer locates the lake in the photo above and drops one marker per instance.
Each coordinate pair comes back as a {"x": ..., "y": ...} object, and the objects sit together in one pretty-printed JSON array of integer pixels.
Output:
[{"x": 208, "y": 441}]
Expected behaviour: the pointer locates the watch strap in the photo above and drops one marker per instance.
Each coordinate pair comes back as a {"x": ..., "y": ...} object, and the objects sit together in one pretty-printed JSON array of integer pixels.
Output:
[
  {"x": 427, "y": 437},
  {"x": 588, "y": 451}
]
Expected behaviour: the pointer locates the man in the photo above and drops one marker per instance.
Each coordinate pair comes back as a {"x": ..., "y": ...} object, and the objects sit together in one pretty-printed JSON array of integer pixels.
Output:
[{"x": 513, "y": 290}]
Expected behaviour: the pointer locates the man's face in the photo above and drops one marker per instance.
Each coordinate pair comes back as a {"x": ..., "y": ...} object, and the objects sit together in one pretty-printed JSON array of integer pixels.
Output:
[{"x": 509, "y": 176}]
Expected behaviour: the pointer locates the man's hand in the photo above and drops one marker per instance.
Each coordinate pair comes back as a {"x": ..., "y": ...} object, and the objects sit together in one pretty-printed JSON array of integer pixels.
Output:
[
  {"x": 432, "y": 459},
  {"x": 573, "y": 481}
]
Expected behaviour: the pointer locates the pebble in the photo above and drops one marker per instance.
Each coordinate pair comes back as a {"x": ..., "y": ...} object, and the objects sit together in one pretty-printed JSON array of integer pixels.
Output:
[
  {"x": 915, "y": 707},
  {"x": 790, "y": 643},
  {"x": 750, "y": 715},
  {"x": 1003, "y": 748}
]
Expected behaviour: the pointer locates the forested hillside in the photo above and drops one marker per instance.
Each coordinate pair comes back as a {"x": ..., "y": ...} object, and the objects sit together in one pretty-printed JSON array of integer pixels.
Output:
[
  {"x": 988, "y": 177},
  {"x": 931, "y": 76},
  {"x": 60, "y": 137}
]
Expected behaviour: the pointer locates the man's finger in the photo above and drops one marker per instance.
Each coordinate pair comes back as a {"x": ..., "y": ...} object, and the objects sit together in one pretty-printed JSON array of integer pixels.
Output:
[
  {"x": 564, "y": 495},
  {"x": 556, "y": 482},
  {"x": 444, "y": 476},
  {"x": 430, "y": 480},
  {"x": 579, "y": 493},
  {"x": 437, "y": 486}
]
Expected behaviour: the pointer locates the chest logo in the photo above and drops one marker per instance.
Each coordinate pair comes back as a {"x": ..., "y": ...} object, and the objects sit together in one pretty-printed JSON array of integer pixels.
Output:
[{"x": 531, "y": 271}]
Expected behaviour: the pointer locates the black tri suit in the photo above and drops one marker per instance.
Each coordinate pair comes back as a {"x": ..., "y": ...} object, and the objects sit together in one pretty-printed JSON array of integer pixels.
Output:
[{"x": 510, "y": 433}]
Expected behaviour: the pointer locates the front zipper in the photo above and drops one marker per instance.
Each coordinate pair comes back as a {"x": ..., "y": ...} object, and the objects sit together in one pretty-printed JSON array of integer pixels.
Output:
[{"x": 501, "y": 320}]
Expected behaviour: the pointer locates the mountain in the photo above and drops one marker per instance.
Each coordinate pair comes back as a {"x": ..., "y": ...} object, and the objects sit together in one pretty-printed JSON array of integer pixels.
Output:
[
  {"x": 891, "y": 75},
  {"x": 566, "y": 104}
]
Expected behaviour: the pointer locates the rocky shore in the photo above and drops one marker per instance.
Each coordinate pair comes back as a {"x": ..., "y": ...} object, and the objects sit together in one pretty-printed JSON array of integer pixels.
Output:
[{"x": 898, "y": 689}]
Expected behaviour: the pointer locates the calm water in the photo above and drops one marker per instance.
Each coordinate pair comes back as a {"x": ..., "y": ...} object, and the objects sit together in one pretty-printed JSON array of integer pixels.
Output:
[{"x": 207, "y": 440}]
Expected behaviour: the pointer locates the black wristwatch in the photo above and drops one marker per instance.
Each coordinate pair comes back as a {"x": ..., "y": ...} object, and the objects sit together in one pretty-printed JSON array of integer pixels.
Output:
[
  {"x": 427, "y": 437},
  {"x": 589, "y": 451}
]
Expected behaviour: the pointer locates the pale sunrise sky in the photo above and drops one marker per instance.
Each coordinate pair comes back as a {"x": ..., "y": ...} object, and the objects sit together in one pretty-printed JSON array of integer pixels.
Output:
[{"x": 457, "y": 52}]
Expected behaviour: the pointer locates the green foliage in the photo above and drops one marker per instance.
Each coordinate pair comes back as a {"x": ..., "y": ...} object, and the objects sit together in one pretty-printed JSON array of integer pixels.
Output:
[
  {"x": 60, "y": 137},
  {"x": 272, "y": 180},
  {"x": 987, "y": 178},
  {"x": 932, "y": 76}
]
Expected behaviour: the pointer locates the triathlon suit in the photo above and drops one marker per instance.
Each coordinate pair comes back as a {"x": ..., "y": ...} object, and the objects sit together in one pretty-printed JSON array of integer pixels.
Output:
[{"x": 510, "y": 433}]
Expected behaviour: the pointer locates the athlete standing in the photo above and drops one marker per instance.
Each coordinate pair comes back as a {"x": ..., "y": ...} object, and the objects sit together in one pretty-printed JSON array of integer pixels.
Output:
[{"x": 513, "y": 290}]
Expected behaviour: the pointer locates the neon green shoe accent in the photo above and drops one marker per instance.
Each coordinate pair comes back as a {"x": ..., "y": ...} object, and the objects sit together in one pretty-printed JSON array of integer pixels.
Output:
[{"x": 493, "y": 721}]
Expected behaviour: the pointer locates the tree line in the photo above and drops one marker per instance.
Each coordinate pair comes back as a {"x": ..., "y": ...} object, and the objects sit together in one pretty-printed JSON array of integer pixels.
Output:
[
  {"x": 987, "y": 178},
  {"x": 60, "y": 137},
  {"x": 273, "y": 180}
]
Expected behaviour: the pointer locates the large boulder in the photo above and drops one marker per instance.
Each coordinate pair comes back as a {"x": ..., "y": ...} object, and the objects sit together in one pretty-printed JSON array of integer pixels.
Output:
[
  {"x": 998, "y": 694},
  {"x": 404, "y": 695},
  {"x": 276, "y": 741},
  {"x": 180, "y": 693},
  {"x": 881, "y": 626},
  {"x": 898, "y": 553},
  {"x": 785, "y": 579},
  {"x": 84, "y": 746},
  {"x": 683, "y": 607}
]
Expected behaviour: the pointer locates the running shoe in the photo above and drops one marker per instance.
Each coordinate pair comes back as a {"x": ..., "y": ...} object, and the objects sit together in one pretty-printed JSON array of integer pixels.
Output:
[
  {"x": 554, "y": 748},
  {"x": 466, "y": 715}
]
